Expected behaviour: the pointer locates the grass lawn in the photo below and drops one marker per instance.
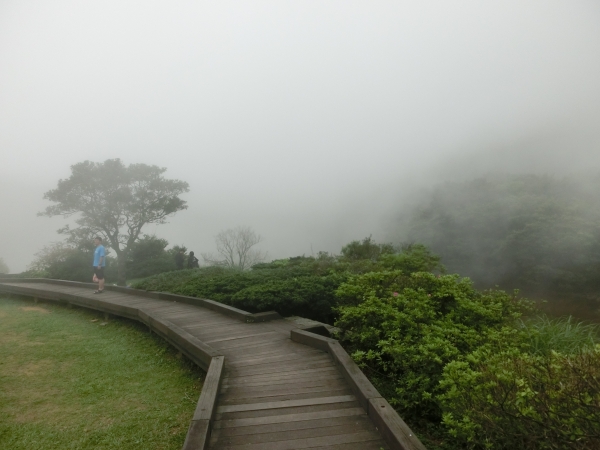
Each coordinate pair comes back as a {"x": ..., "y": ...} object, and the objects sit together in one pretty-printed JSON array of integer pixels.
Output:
[{"x": 71, "y": 380}]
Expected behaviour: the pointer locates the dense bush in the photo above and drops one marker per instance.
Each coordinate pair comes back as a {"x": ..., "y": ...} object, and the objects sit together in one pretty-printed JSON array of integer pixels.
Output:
[
  {"x": 404, "y": 329},
  {"x": 517, "y": 400},
  {"x": 290, "y": 289},
  {"x": 149, "y": 256},
  {"x": 303, "y": 286},
  {"x": 68, "y": 262},
  {"x": 73, "y": 260},
  {"x": 443, "y": 353}
]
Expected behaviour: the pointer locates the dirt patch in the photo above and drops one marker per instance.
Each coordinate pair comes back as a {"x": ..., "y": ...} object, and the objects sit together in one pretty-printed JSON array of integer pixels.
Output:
[{"x": 35, "y": 308}]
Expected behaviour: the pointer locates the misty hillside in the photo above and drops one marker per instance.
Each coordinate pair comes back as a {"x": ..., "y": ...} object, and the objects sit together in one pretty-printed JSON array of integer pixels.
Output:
[{"x": 537, "y": 233}]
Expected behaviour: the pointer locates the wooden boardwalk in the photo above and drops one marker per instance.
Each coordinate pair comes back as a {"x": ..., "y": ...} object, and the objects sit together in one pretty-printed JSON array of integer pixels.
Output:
[{"x": 274, "y": 393}]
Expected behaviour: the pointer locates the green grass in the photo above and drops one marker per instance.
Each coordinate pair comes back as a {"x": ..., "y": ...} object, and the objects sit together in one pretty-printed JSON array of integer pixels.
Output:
[
  {"x": 564, "y": 335},
  {"x": 71, "y": 380}
]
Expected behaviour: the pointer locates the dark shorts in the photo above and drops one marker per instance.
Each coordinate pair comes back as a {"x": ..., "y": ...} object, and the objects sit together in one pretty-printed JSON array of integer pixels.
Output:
[{"x": 99, "y": 273}]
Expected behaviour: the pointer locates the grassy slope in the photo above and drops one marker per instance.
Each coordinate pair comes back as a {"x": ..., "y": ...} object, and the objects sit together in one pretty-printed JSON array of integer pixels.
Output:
[{"x": 70, "y": 380}]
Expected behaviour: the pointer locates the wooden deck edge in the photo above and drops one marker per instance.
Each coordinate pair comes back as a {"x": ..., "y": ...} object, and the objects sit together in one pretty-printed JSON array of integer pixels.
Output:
[
  {"x": 393, "y": 429},
  {"x": 200, "y": 428},
  {"x": 230, "y": 311}
]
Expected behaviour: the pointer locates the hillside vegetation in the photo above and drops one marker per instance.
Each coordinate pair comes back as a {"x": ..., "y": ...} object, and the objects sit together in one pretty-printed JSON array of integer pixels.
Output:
[{"x": 539, "y": 234}]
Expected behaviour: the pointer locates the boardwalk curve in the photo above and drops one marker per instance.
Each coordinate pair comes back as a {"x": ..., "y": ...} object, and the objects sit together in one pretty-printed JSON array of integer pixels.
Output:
[{"x": 270, "y": 385}]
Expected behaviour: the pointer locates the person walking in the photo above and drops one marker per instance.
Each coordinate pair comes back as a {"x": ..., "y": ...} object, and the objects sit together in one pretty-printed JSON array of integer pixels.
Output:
[
  {"x": 99, "y": 264},
  {"x": 192, "y": 261}
]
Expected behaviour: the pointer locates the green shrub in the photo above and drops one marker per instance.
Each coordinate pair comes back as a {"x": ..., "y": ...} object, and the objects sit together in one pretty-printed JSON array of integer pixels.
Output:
[
  {"x": 303, "y": 286},
  {"x": 514, "y": 400},
  {"x": 402, "y": 330},
  {"x": 308, "y": 296}
]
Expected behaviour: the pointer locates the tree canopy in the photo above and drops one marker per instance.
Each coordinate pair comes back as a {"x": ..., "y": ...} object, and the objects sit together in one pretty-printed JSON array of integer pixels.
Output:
[{"x": 115, "y": 201}]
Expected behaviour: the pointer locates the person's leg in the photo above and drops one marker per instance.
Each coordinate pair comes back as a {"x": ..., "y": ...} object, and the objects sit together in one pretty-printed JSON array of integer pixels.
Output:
[{"x": 99, "y": 273}]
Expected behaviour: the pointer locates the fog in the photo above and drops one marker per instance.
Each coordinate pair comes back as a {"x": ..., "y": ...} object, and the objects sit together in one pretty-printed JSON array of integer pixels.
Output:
[{"x": 313, "y": 122}]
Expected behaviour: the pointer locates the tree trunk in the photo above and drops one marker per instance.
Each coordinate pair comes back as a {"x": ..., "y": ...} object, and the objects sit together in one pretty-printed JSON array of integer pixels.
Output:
[{"x": 121, "y": 269}]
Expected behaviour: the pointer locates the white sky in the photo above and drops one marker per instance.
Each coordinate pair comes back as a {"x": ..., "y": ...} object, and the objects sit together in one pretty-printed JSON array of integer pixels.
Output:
[{"x": 311, "y": 121}]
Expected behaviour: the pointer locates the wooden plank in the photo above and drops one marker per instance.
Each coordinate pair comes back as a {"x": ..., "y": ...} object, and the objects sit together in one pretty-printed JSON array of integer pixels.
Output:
[
  {"x": 395, "y": 431},
  {"x": 240, "y": 392},
  {"x": 285, "y": 404},
  {"x": 248, "y": 342},
  {"x": 370, "y": 445},
  {"x": 296, "y": 444},
  {"x": 285, "y": 411},
  {"x": 259, "y": 348},
  {"x": 240, "y": 379},
  {"x": 312, "y": 395},
  {"x": 244, "y": 336},
  {"x": 197, "y": 435},
  {"x": 286, "y": 360},
  {"x": 283, "y": 418},
  {"x": 294, "y": 431},
  {"x": 206, "y": 407},
  {"x": 270, "y": 382},
  {"x": 206, "y": 318},
  {"x": 277, "y": 368},
  {"x": 280, "y": 358},
  {"x": 208, "y": 331}
]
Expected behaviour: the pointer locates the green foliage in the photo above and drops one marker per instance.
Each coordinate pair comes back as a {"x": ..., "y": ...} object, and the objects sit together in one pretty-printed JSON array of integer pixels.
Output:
[
  {"x": 148, "y": 256},
  {"x": 564, "y": 335},
  {"x": 511, "y": 399},
  {"x": 412, "y": 258},
  {"x": 302, "y": 285},
  {"x": 288, "y": 289},
  {"x": 537, "y": 233},
  {"x": 403, "y": 329},
  {"x": 367, "y": 249},
  {"x": 442, "y": 352},
  {"x": 66, "y": 262}
]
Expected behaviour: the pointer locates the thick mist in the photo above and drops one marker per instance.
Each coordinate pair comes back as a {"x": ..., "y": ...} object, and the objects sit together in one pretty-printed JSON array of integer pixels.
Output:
[{"x": 315, "y": 123}]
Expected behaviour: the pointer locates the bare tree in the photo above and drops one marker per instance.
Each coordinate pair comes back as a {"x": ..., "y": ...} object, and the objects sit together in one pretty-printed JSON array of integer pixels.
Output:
[{"x": 234, "y": 249}]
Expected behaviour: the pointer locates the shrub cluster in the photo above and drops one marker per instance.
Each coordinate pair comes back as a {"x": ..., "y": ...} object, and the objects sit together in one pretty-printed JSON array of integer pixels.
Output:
[
  {"x": 446, "y": 354},
  {"x": 403, "y": 330},
  {"x": 303, "y": 286},
  {"x": 518, "y": 400}
]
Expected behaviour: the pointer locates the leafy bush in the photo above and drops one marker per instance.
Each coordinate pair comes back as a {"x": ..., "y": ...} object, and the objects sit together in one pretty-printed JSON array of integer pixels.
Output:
[
  {"x": 149, "y": 256},
  {"x": 63, "y": 261},
  {"x": 303, "y": 286},
  {"x": 286, "y": 288},
  {"x": 403, "y": 329},
  {"x": 517, "y": 400}
]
